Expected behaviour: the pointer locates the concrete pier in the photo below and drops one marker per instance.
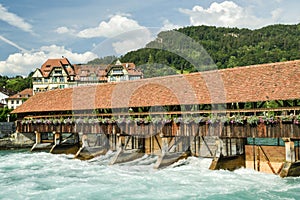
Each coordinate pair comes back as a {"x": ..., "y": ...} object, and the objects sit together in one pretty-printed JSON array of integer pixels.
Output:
[
  {"x": 69, "y": 145},
  {"x": 92, "y": 146},
  {"x": 125, "y": 155},
  {"x": 291, "y": 166},
  {"x": 228, "y": 157},
  {"x": 41, "y": 145}
]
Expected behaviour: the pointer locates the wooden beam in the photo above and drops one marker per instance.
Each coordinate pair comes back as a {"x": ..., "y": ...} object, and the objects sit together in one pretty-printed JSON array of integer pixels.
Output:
[{"x": 296, "y": 108}]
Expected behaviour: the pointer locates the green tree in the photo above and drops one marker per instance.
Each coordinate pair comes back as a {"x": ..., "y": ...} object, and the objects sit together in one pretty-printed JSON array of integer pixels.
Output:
[{"x": 3, "y": 114}]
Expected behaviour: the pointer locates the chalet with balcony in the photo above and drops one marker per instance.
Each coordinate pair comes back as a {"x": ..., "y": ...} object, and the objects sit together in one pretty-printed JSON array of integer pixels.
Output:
[
  {"x": 54, "y": 73},
  {"x": 60, "y": 74},
  {"x": 123, "y": 72},
  {"x": 90, "y": 74}
]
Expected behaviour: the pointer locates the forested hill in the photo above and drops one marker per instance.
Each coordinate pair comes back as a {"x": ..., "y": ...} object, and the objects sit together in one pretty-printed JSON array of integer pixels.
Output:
[{"x": 227, "y": 47}]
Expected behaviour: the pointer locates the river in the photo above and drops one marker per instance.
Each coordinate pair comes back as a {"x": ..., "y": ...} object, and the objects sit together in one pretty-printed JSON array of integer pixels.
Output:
[{"x": 26, "y": 175}]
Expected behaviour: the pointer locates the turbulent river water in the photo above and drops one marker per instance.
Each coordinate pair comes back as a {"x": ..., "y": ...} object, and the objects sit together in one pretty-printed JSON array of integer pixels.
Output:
[{"x": 26, "y": 175}]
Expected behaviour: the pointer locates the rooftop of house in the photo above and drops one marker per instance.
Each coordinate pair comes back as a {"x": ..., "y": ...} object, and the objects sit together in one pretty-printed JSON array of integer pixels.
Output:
[
  {"x": 7, "y": 91},
  {"x": 84, "y": 70},
  {"x": 274, "y": 81},
  {"x": 130, "y": 67},
  {"x": 48, "y": 66},
  {"x": 23, "y": 94}
]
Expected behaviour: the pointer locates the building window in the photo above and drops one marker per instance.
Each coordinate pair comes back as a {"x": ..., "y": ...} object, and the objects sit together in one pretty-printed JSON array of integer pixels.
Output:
[
  {"x": 113, "y": 78},
  {"x": 17, "y": 102},
  {"x": 58, "y": 71},
  {"x": 61, "y": 79},
  {"x": 134, "y": 77},
  {"x": 12, "y": 102},
  {"x": 39, "y": 80},
  {"x": 61, "y": 86},
  {"x": 117, "y": 71}
]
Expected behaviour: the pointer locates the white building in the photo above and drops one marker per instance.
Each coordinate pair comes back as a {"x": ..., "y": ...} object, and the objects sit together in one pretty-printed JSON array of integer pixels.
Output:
[
  {"x": 60, "y": 73},
  {"x": 123, "y": 72},
  {"x": 18, "y": 99},
  {"x": 54, "y": 73}
]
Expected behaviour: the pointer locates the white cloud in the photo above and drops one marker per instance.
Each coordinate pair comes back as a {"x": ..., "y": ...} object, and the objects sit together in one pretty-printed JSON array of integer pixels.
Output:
[
  {"x": 276, "y": 14},
  {"x": 227, "y": 14},
  {"x": 123, "y": 34},
  {"x": 24, "y": 63},
  {"x": 132, "y": 40},
  {"x": 117, "y": 24},
  {"x": 167, "y": 25},
  {"x": 14, "y": 20},
  {"x": 63, "y": 30}
]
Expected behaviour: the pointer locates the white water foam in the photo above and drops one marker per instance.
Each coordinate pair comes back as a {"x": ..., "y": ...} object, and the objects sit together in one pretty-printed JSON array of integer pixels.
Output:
[{"x": 27, "y": 175}]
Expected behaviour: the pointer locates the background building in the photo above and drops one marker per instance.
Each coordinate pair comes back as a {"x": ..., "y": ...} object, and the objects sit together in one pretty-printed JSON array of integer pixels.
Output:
[
  {"x": 60, "y": 73},
  {"x": 18, "y": 99},
  {"x": 53, "y": 74},
  {"x": 4, "y": 94}
]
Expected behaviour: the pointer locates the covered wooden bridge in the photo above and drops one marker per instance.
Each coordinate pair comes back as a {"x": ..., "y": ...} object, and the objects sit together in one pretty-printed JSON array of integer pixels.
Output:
[{"x": 220, "y": 114}]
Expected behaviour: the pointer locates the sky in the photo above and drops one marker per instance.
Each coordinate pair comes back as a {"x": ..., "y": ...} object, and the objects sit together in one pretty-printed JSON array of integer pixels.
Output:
[{"x": 32, "y": 31}]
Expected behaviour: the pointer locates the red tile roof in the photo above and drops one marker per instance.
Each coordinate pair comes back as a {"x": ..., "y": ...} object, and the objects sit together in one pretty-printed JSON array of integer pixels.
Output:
[
  {"x": 88, "y": 70},
  {"x": 47, "y": 67},
  {"x": 276, "y": 81},
  {"x": 23, "y": 94},
  {"x": 130, "y": 67}
]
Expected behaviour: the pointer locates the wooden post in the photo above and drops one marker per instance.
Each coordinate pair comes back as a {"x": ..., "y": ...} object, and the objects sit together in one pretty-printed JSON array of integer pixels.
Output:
[
  {"x": 290, "y": 166},
  {"x": 38, "y": 139},
  {"x": 289, "y": 150},
  {"x": 253, "y": 152},
  {"x": 118, "y": 142},
  {"x": 165, "y": 145},
  {"x": 56, "y": 138},
  {"x": 84, "y": 140},
  {"x": 219, "y": 144},
  {"x": 258, "y": 158}
]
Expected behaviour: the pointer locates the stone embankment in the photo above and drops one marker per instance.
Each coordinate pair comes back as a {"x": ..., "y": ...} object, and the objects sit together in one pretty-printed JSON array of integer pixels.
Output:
[{"x": 17, "y": 141}]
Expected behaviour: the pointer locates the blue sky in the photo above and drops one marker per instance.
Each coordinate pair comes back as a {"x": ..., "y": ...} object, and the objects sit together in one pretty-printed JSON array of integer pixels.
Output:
[{"x": 31, "y": 31}]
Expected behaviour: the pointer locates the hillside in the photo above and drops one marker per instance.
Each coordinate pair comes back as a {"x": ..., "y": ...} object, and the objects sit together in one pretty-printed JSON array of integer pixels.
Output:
[{"x": 185, "y": 49}]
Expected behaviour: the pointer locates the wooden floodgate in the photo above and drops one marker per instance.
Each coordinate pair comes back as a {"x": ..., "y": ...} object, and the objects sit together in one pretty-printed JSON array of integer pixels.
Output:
[{"x": 231, "y": 145}]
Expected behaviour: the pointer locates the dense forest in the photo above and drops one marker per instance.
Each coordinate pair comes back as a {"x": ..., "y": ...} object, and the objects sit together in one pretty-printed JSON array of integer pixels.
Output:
[{"x": 200, "y": 48}]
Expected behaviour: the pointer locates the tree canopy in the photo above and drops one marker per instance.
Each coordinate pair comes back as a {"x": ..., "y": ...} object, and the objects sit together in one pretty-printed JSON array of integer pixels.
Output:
[
  {"x": 15, "y": 84},
  {"x": 211, "y": 47}
]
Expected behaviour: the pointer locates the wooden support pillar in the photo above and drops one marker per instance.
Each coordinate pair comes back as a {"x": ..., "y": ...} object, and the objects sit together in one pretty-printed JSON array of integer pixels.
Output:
[
  {"x": 60, "y": 147},
  {"x": 38, "y": 138},
  {"x": 290, "y": 154},
  {"x": 290, "y": 166},
  {"x": 219, "y": 144},
  {"x": 228, "y": 162},
  {"x": 119, "y": 144},
  {"x": 171, "y": 155},
  {"x": 56, "y": 138},
  {"x": 165, "y": 145},
  {"x": 84, "y": 140},
  {"x": 39, "y": 146}
]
